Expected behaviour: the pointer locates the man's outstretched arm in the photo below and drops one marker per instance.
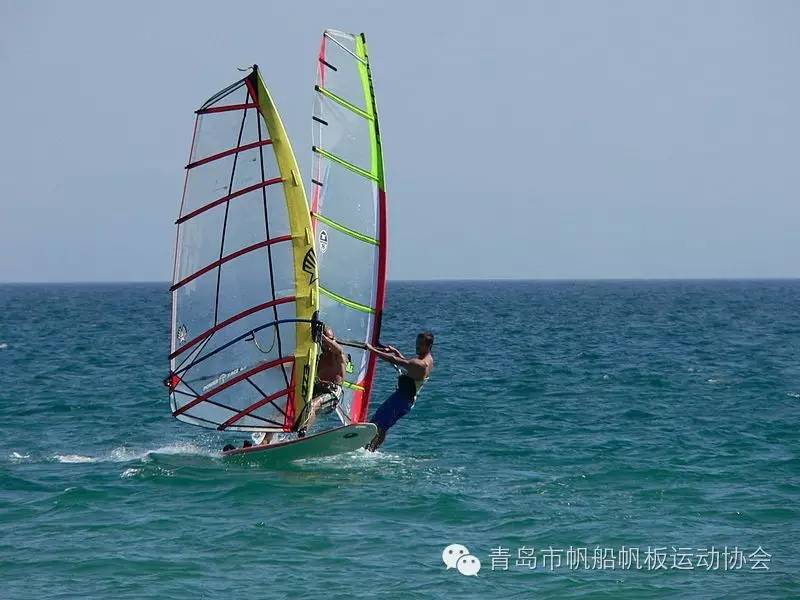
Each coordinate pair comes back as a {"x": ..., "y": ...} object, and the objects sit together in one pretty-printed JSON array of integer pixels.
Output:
[{"x": 415, "y": 368}]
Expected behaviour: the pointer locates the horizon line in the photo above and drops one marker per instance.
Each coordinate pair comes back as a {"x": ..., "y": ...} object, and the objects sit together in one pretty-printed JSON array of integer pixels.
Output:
[{"x": 441, "y": 279}]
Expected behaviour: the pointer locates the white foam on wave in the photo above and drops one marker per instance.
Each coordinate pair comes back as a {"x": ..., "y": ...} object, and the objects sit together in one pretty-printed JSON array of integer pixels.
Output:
[
  {"x": 184, "y": 448},
  {"x": 3, "y": 346},
  {"x": 124, "y": 454},
  {"x": 129, "y": 473},
  {"x": 74, "y": 458},
  {"x": 17, "y": 457},
  {"x": 793, "y": 394},
  {"x": 360, "y": 459}
]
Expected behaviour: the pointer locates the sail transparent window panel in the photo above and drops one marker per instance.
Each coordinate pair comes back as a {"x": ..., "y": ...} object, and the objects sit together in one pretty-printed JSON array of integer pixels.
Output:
[
  {"x": 246, "y": 224},
  {"x": 246, "y": 281},
  {"x": 201, "y": 236},
  {"x": 210, "y": 412},
  {"x": 347, "y": 198},
  {"x": 347, "y": 134},
  {"x": 348, "y": 267},
  {"x": 212, "y": 181},
  {"x": 239, "y": 290},
  {"x": 345, "y": 82},
  {"x": 240, "y": 358},
  {"x": 200, "y": 241},
  {"x": 249, "y": 351},
  {"x": 218, "y": 132},
  {"x": 194, "y": 307}
]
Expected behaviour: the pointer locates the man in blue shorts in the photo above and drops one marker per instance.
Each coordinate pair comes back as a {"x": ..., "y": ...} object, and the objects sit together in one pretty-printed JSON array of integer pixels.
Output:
[{"x": 414, "y": 372}]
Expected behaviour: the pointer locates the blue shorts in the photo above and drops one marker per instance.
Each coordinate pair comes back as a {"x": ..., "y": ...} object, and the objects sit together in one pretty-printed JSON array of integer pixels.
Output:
[{"x": 393, "y": 408}]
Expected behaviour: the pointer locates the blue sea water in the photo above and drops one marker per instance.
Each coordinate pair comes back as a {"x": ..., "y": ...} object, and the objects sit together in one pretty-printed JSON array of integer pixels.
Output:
[{"x": 661, "y": 416}]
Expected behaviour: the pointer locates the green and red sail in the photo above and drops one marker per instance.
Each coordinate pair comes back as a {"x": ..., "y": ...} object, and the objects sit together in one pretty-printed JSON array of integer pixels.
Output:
[{"x": 348, "y": 208}]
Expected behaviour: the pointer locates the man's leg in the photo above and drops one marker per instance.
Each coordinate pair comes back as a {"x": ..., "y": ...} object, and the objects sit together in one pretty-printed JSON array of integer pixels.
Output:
[
  {"x": 262, "y": 438},
  {"x": 376, "y": 442},
  {"x": 322, "y": 404},
  {"x": 313, "y": 407},
  {"x": 393, "y": 408}
]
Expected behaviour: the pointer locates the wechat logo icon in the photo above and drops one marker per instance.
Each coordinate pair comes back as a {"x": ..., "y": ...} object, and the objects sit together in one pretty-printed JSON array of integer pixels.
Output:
[{"x": 457, "y": 556}]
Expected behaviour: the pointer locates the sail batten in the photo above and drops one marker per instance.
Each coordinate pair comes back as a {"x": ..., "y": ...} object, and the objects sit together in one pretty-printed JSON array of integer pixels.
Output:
[
  {"x": 225, "y": 108},
  {"x": 347, "y": 230},
  {"x": 342, "y": 102},
  {"x": 228, "y": 152},
  {"x": 346, "y": 164},
  {"x": 226, "y": 198}
]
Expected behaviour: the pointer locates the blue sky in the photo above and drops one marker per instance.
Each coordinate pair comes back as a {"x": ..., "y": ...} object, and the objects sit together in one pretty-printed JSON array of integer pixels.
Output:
[{"x": 523, "y": 140}]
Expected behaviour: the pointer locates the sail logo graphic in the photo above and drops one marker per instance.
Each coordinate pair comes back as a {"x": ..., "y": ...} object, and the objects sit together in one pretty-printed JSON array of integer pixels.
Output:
[
  {"x": 323, "y": 240},
  {"x": 222, "y": 378},
  {"x": 306, "y": 374},
  {"x": 310, "y": 265},
  {"x": 457, "y": 556}
]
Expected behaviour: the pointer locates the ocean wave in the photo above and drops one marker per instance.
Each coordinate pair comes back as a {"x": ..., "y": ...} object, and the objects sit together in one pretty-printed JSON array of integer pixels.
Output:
[
  {"x": 124, "y": 454},
  {"x": 130, "y": 472},
  {"x": 74, "y": 458}
]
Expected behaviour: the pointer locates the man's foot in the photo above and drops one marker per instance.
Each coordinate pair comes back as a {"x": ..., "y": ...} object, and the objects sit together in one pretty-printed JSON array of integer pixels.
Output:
[
  {"x": 247, "y": 444},
  {"x": 376, "y": 442},
  {"x": 301, "y": 433},
  {"x": 228, "y": 447}
]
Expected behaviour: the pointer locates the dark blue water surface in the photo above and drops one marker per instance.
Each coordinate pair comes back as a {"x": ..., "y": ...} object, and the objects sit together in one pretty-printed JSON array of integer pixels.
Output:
[{"x": 561, "y": 416}]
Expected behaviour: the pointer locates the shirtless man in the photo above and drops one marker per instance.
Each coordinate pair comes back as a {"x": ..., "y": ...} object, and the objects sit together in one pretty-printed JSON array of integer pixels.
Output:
[
  {"x": 414, "y": 372},
  {"x": 330, "y": 374}
]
